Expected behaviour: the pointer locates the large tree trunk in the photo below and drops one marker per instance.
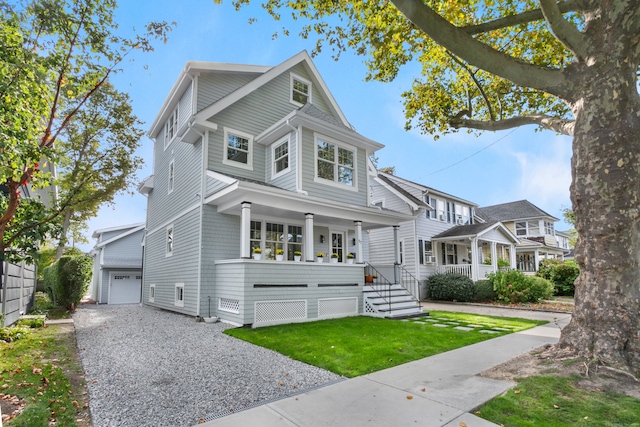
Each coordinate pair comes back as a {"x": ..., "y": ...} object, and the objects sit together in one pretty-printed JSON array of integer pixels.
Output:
[{"x": 606, "y": 200}]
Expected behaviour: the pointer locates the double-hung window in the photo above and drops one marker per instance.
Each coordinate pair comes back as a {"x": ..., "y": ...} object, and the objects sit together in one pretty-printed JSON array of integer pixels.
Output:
[
  {"x": 179, "y": 295},
  {"x": 172, "y": 170},
  {"x": 238, "y": 149},
  {"x": 169, "y": 241},
  {"x": 300, "y": 90},
  {"x": 425, "y": 252},
  {"x": 171, "y": 128},
  {"x": 280, "y": 157},
  {"x": 335, "y": 163},
  {"x": 548, "y": 228}
]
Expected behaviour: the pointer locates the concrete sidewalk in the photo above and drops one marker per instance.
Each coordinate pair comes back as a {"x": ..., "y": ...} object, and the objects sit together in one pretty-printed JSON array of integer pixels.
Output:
[{"x": 435, "y": 391}]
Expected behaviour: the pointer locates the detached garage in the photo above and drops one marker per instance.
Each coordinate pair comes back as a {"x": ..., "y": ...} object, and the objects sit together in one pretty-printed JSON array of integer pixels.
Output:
[{"x": 117, "y": 265}]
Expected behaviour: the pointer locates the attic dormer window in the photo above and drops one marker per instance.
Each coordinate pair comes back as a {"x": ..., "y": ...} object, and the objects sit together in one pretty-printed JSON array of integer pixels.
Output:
[
  {"x": 300, "y": 90},
  {"x": 171, "y": 128}
]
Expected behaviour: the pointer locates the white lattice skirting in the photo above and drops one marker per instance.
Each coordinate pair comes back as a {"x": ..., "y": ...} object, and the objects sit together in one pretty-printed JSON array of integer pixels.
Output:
[
  {"x": 337, "y": 307},
  {"x": 274, "y": 312},
  {"x": 229, "y": 305}
]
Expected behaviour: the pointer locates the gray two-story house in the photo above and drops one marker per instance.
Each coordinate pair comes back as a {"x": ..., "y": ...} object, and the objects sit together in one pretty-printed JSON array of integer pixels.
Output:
[{"x": 258, "y": 159}]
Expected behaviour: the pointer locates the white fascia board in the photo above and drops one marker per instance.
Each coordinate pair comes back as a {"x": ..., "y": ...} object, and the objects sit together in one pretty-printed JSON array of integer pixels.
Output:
[
  {"x": 397, "y": 194},
  {"x": 97, "y": 233},
  {"x": 120, "y": 236},
  {"x": 221, "y": 177}
]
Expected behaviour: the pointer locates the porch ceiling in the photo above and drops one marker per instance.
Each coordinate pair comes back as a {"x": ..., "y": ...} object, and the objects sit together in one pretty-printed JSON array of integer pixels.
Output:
[{"x": 278, "y": 203}]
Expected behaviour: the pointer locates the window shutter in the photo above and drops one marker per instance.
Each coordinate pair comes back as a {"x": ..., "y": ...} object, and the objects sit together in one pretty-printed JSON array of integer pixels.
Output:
[{"x": 421, "y": 251}]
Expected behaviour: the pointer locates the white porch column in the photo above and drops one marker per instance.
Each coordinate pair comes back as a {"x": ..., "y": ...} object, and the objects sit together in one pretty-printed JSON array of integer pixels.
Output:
[
  {"x": 245, "y": 230},
  {"x": 494, "y": 256},
  {"x": 396, "y": 263},
  {"x": 512, "y": 257},
  {"x": 359, "y": 255},
  {"x": 536, "y": 260},
  {"x": 308, "y": 238},
  {"x": 475, "y": 260}
]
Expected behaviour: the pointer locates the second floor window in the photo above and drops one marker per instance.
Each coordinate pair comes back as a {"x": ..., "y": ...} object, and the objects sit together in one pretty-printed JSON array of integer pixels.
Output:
[
  {"x": 300, "y": 90},
  {"x": 281, "y": 157},
  {"x": 170, "y": 128},
  {"x": 335, "y": 163},
  {"x": 527, "y": 228},
  {"x": 238, "y": 149},
  {"x": 171, "y": 176},
  {"x": 548, "y": 228}
]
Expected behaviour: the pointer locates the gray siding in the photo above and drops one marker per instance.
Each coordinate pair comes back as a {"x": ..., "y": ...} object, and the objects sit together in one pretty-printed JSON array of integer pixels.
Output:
[
  {"x": 231, "y": 279},
  {"x": 390, "y": 200},
  {"x": 213, "y": 87},
  {"x": 214, "y": 185},
  {"x": 19, "y": 286},
  {"x": 128, "y": 249},
  {"x": 288, "y": 179},
  {"x": 318, "y": 189},
  {"x": 181, "y": 267}
]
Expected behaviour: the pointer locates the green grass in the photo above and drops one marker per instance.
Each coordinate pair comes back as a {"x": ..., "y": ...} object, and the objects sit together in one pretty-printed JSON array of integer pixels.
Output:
[
  {"x": 39, "y": 365},
  {"x": 356, "y": 346},
  {"x": 558, "y": 401}
]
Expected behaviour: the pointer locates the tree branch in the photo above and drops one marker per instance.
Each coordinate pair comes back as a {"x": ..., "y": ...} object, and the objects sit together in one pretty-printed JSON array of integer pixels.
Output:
[
  {"x": 519, "y": 19},
  {"x": 481, "y": 55},
  {"x": 564, "y": 31},
  {"x": 478, "y": 85},
  {"x": 562, "y": 126}
]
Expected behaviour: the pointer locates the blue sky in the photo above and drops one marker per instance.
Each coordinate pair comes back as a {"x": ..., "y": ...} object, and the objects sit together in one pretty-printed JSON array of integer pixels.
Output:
[{"x": 513, "y": 165}]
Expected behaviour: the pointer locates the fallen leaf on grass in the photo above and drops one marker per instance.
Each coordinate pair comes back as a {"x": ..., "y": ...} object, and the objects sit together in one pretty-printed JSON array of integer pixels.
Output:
[
  {"x": 556, "y": 406},
  {"x": 516, "y": 392}
]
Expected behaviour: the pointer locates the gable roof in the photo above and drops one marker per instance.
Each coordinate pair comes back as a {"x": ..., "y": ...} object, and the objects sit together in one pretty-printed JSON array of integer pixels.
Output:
[
  {"x": 475, "y": 230},
  {"x": 425, "y": 189},
  {"x": 127, "y": 231},
  {"x": 401, "y": 192},
  {"x": 522, "y": 209},
  {"x": 273, "y": 72}
]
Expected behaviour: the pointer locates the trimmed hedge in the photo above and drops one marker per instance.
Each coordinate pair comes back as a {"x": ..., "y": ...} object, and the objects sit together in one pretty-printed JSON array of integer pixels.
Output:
[
  {"x": 483, "y": 291},
  {"x": 67, "y": 280},
  {"x": 450, "y": 287}
]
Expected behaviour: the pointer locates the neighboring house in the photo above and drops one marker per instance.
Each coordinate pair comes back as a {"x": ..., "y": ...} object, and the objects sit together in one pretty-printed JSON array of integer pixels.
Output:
[
  {"x": 117, "y": 265},
  {"x": 250, "y": 157},
  {"x": 442, "y": 237},
  {"x": 533, "y": 226}
]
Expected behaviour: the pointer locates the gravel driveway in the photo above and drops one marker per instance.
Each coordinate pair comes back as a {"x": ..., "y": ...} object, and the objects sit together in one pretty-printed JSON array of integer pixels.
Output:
[{"x": 148, "y": 367}]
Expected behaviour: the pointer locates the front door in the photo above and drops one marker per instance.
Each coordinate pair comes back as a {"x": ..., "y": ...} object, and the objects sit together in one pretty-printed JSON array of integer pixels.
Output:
[{"x": 337, "y": 245}]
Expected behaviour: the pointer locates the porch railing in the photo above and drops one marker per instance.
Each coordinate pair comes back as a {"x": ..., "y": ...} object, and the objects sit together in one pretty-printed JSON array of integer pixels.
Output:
[
  {"x": 409, "y": 282},
  {"x": 464, "y": 269}
]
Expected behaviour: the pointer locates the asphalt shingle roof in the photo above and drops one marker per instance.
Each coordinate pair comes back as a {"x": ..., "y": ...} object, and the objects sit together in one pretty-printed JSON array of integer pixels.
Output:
[
  {"x": 510, "y": 211},
  {"x": 465, "y": 230}
]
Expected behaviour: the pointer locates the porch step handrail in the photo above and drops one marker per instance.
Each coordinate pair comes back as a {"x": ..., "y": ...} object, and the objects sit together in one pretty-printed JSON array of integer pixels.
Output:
[
  {"x": 410, "y": 283},
  {"x": 381, "y": 286}
]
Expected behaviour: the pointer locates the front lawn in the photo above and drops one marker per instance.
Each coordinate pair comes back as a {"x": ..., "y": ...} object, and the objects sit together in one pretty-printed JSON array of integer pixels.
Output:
[
  {"x": 558, "y": 402},
  {"x": 355, "y": 346}
]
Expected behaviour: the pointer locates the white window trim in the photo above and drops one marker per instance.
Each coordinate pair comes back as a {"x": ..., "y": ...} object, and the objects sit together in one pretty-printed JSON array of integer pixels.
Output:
[
  {"x": 226, "y": 161},
  {"x": 174, "y": 116},
  {"x": 278, "y": 143},
  {"x": 275, "y": 220},
  {"x": 176, "y": 301},
  {"x": 166, "y": 241},
  {"x": 152, "y": 292},
  {"x": 337, "y": 144},
  {"x": 172, "y": 176},
  {"x": 303, "y": 80}
]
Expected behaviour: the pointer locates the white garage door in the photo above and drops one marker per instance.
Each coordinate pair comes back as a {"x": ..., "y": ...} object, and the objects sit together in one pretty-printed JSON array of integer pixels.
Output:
[{"x": 124, "y": 288}]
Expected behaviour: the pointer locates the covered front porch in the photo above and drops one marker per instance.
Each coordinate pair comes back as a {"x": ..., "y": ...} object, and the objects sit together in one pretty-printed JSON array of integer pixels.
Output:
[{"x": 475, "y": 250}]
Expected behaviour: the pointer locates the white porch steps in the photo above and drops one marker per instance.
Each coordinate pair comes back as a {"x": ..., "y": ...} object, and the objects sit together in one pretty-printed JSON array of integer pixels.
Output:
[{"x": 392, "y": 301}]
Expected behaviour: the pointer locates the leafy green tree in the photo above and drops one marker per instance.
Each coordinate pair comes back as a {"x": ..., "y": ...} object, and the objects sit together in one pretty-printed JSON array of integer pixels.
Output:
[
  {"x": 569, "y": 66},
  {"x": 55, "y": 55},
  {"x": 97, "y": 157}
]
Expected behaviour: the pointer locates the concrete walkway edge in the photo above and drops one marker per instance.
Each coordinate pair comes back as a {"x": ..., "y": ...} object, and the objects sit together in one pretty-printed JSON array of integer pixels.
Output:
[{"x": 438, "y": 391}]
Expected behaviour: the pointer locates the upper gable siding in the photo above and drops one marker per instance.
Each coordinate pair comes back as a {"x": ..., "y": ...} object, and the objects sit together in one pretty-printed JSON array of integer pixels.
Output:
[
  {"x": 111, "y": 234},
  {"x": 390, "y": 200},
  {"x": 129, "y": 247},
  {"x": 317, "y": 96},
  {"x": 288, "y": 179},
  {"x": 161, "y": 205},
  {"x": 215, "y": 86},
  {"x": 497, "y": 236},
  {"x": 318, "y": 189},
  {"x": 184, "y": 106}
]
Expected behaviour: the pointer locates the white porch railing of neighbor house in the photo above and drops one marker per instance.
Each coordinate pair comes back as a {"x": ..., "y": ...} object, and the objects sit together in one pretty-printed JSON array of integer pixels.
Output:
[{"x": 464, "y": 269}]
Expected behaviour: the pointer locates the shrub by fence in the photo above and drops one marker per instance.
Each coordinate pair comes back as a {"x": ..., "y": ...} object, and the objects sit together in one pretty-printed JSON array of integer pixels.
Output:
[
  {"x": 67, "y": 280},
  {"x": 450, "y": 287}
]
